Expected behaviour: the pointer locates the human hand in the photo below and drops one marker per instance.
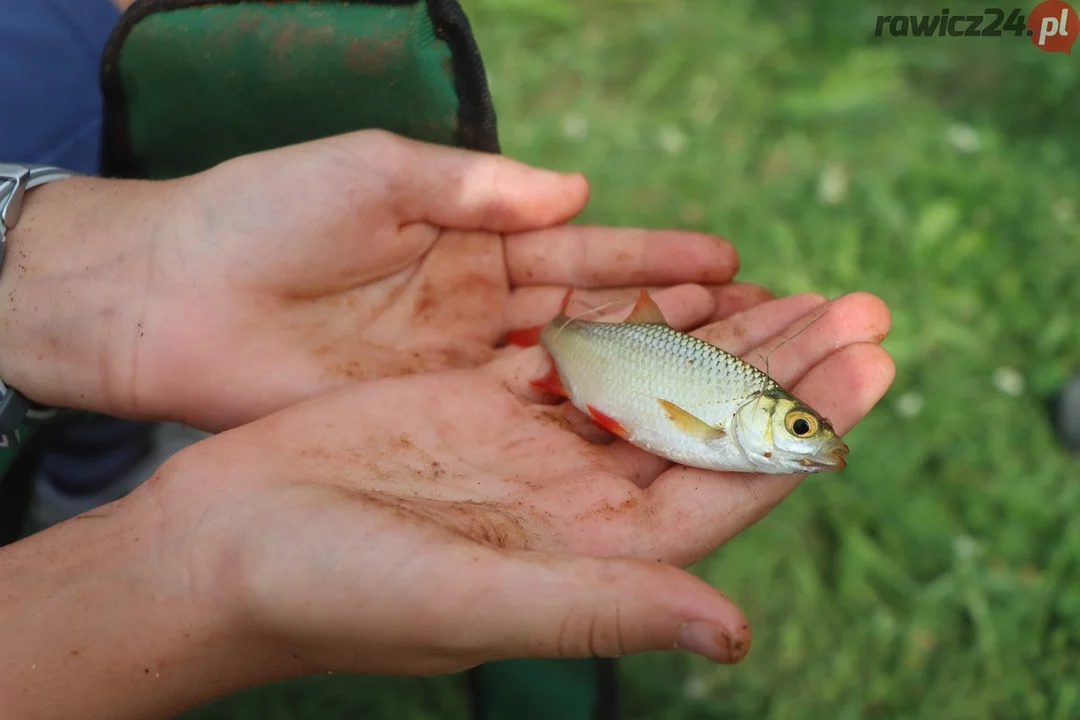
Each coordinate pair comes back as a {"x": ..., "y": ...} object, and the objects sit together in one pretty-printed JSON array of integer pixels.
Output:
[
  {"x": 218, "y": 298},
  {"x": 419, "y": 524},
  {"x": 450, "y": 519}
]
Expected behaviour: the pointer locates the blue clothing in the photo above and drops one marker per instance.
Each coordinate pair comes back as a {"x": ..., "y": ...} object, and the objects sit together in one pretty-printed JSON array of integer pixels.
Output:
[
  {"x": 50, "y": 52},
  {"x": 50, "y": 55}
]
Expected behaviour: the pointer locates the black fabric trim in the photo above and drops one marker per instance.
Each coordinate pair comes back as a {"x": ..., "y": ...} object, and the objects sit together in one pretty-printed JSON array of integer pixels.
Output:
[
  {"x": 607, "y": 679},
  {"x": 476, "y": 114},
  {"x": 16, "y": 490},
  {"x": 17, "y": 484},
  {"x": 474, "y": 686}
]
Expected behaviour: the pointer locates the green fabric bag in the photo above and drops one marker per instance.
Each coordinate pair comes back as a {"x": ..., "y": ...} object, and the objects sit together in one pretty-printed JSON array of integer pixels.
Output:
[{"x": 191, "y": 83}]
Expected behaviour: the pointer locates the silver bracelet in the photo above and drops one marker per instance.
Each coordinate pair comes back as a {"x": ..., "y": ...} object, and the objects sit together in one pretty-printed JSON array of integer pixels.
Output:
[{"x": 15, "y": 181}]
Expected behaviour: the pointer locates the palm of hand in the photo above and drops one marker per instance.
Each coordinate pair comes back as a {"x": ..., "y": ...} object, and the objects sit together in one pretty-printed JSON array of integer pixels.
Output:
[
  {"x": 443, "y": 493},
  {"x": 362, "y": 274},
  {"x": 449, "y": 308},
  {"x": 481, "y": 452}
]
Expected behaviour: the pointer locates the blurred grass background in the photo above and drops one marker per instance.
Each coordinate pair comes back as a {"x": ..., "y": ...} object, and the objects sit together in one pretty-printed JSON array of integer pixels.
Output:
[{"x": 936, "y": 578}]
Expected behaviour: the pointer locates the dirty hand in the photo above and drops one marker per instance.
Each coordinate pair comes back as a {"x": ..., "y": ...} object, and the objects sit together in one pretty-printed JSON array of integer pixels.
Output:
[
  {"x": 220, "y": 297},
  {"x": 418, "y": 524},
  {"x": 453, "y": 518},
  {"x": 427, "y": 523}
]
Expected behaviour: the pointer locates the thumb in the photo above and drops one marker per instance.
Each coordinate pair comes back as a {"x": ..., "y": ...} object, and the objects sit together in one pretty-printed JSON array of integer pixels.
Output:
[
  {"x": 542, "y": 605},
  {"x": 467, "y": 190}
]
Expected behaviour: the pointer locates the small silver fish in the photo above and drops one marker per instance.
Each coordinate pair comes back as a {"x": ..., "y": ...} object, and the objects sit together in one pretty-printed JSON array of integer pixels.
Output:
[{"x": 681, "y": 398}]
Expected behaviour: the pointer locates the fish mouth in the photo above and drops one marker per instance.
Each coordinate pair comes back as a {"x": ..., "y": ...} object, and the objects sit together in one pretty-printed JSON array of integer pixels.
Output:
[{"x": 831, "y": 456}]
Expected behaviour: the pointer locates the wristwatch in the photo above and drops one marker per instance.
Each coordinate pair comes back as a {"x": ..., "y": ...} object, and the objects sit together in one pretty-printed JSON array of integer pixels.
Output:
[{"x": 15, "y": 181}]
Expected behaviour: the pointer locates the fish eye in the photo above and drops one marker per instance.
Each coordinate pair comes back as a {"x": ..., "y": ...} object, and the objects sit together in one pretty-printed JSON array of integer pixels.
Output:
[{"x": 800, "y": 423}]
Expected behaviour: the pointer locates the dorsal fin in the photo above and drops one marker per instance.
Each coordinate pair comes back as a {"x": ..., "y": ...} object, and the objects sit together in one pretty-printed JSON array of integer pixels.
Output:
[{"x": 646, "y": 311}]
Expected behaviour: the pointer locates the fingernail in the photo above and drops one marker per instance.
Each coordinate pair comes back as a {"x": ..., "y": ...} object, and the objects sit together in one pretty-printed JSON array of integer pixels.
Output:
[{"x": 709, "y": 640}]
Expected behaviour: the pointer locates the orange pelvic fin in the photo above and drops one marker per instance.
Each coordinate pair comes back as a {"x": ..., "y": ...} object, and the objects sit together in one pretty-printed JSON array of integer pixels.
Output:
[
  {"x": 551, "y": 382},
  {"x": 606, "y": 422},
  {"x": 646, "y": 311},
  {"x": 691, "y": 424},
  {"x": 527, "y": 337}
]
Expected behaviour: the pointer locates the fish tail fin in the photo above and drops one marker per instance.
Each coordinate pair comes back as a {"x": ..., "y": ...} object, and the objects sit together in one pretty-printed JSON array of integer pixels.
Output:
[
  {"x": 524, "y": 337},
  {"x": 527, "y": 337}
]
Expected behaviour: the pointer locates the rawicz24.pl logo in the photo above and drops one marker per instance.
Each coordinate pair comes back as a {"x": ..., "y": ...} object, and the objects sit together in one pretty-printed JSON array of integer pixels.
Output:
[{"x": 1052, "y": 25}]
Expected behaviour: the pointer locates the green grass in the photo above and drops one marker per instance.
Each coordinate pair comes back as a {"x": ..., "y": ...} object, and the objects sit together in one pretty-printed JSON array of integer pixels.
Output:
[{"x": 937, "y": 577}]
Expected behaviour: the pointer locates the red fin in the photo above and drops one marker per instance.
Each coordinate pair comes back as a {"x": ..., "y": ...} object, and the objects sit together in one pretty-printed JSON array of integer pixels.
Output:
[
  {"x": 645, "y": 311},
  {"x": 527, "y": 337},
  {"x": 605, "y": 422},
  {"x": 565, "y": 301},
  {"x": 551, "y": 383}
]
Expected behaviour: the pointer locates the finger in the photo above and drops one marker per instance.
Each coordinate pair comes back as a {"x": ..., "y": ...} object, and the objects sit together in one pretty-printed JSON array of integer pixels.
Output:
[
  {"x": 543, "y": 605},
  {"x": 535, "y": 305},
  {"x": 853, "y": 318},
  {"x": 589, "y": 256},
  {"x": 736, "y": 297},
  {"x": 532, "y": 306},
  {"x": 683, "y": 306},
  {"x": 697, "y": 510},
  {"x": 746, "y": 330},
  {"x": 467, "y": 190}
]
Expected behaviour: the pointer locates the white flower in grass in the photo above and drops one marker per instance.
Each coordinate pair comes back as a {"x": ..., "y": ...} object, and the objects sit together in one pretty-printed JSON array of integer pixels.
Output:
[
  {"x": 965, "y": 546},
  {"x": 672, "y": 140},
  {"x": 832, "y": 184},
  {"x": 575, "y": 127},
  {"x": 1064, "y": 211},
  {"x": 1008, "y": 381},
  {"x": 963, "y": 137},
  {"x": 909, "y": 404},
  {"x": 695, "y": 687}
]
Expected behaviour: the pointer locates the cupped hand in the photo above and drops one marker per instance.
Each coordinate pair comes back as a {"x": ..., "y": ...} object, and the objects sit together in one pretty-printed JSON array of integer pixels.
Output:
[
  {"x": 217, "y": 298},
  {"x": 432, "y": 522},
  {"x": 368, "y": 255}
]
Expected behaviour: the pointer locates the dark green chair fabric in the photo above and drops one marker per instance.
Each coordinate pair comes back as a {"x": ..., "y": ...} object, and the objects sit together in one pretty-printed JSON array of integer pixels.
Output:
[{"x": 190, "y": 83}]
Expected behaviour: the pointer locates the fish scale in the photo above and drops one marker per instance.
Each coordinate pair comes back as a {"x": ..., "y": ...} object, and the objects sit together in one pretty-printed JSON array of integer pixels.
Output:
[
  {"x": 632, "y": 366},
  {"x": 681, "y": 363},
  {"x": 627, "y": 375}
]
